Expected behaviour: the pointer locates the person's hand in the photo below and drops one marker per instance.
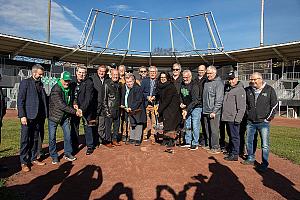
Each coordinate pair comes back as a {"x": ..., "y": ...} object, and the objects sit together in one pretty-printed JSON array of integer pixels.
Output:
[
  {"x": 212, "y": 115},
  {"x": 128, "y": 110},
  {"x": 152, "y": 98},
  {"x": 79, "y": 112},
  {"x": 149, "y": 98},
  {"x": 24, "y": 121},
  {"x": 122, "y": 106},
  {"x": 182, "y": 106},
  {"x": 184, "y": 114},
  {"x": 75, "y": 106}
]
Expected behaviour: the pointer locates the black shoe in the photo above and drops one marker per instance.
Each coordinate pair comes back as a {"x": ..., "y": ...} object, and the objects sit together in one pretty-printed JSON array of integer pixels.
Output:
[
  {"x": 261, "y": 168},
  {"x": 89, "y": 151},
  {"x": 248, "y": 162},
  {"x": 193, "y": 147},
  {"x": 131, "y": 141},
  {"x": 231, "y": 157}
]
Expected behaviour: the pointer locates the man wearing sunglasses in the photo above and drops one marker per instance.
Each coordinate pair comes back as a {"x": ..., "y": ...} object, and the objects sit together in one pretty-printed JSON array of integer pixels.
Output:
[
  {"x": 177, "y": 78},
  {"x": 143, "y": 72}
]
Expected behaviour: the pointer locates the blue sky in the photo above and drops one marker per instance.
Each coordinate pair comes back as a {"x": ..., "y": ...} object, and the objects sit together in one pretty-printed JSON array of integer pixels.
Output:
[{"x": 238, "y": 21}]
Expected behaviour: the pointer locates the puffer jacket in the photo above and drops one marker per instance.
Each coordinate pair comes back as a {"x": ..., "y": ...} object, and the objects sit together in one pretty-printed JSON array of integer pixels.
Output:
[
  {"x": 234, "y": 104},
  {"x": 213, "y": 94},
  {"x": 58, "y": 107}
]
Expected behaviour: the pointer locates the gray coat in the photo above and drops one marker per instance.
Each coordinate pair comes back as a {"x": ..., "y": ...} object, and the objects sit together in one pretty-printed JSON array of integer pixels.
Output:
[
  {"x": 234, "y": 104},
  {"x": 213, "y": 94}
]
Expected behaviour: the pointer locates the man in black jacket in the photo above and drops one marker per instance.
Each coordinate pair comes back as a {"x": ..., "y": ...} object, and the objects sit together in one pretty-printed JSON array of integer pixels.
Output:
[
  {"x": 60, "y": 111},
  {"x": 99, "y": 80},
  {"x": 83, "y": 93},
  {"x": 111, "y": 103},
  {"x": 32, "y": 111},
  {"x": 262, "y": 103}
]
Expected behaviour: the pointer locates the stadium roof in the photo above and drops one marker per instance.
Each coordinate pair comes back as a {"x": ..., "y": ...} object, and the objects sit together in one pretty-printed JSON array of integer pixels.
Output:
[{"x": 13, "y": 46}]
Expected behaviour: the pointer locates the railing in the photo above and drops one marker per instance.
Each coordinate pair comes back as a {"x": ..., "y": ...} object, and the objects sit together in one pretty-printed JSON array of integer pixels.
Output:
[
  {"x": 291, "y": 76},
  {"x": 266, "y": 76},
  {"x": 288, "y": 94}
]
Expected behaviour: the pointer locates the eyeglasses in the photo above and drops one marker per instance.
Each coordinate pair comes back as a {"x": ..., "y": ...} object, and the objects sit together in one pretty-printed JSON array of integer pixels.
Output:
[
  {"x": 176, "y": 69},
  {"x": 143, "y": 71},
  {"x": 254, "y": 79},
  {"x": 163, "y": 77}
]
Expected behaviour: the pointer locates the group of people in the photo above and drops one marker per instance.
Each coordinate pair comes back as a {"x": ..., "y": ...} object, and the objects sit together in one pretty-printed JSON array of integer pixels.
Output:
[{"x": 116, "y": 107}]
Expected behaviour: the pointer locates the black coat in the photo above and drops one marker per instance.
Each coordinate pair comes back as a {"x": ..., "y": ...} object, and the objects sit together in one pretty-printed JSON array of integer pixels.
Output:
[
  {"x": 112, "y": 98},
  {"x": 58, "y": 107},
  {"x": 84, "y": 97},
  {"x": 99, "y": 92},
  {"x": 135, "y": 102},
  {"x": 2, "y": 104},
  {"x": 28, "y": 100},
  {"x": 169, "y": 106}
]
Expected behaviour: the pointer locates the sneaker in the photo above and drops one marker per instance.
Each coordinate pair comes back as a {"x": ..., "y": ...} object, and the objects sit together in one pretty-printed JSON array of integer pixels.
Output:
[
  {"x": 25, "y": 168},
  {"x": 248, "y": 162},
  {"x": 185, "y": 145},
  {"x": 89, "y": 151},
  {"x": 214, "y": 151},
  {"x": 193, "y": 147},
  {"x": 36, "y": 162},
  {"x": 55, "y": 161},
  {"x": 70, "y": 157},
  {"x": 205, "y": 147},
  {"x": 232, "y": 157},
  {"x": 171, "y": 151}
]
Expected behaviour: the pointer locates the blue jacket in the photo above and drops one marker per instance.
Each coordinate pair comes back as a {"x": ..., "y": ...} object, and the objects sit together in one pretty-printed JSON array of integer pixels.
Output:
[
  {"x": 28, "y": 100},
  {"x": 145, "y": 88}
]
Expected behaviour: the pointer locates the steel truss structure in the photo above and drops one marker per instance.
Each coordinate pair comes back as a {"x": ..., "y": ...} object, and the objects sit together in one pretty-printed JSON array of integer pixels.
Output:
[{"x": 88, "y": 35}]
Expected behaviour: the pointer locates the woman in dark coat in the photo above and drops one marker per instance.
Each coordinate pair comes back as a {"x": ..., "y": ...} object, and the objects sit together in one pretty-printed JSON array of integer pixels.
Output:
[{"x": 169, "y": 108}]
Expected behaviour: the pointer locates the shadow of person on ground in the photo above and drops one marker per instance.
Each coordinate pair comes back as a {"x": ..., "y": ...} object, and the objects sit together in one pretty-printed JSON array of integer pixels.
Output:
[
  {"x": 280, "y": 184},
  {"x": 117, "y": 191},
  {"x": 81, "y": 184},
  {"x": 40, "y": 187},
  {"x": 12, "y": 165},
  {"x": 223, "y": 184}
]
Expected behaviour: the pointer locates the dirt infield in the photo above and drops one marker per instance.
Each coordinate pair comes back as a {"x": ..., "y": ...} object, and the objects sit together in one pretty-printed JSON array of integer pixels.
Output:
[{"x": 146, "y": 172}]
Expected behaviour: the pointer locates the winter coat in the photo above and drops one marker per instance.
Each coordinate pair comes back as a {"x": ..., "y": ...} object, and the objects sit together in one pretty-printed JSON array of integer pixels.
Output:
[
  {"x": 58, "y": 107},
  {"x": 234, "y": 104},
  {"x": 213, "y": 94},
  {"x": 99, "y": 92},
  {"x": 85, "y": 98},
  {"x": 266, "y": 106},
  {"x": 169, "y": 106},
  {"x": 135, "y": 102},
  {"x": 112, "y": 98}
]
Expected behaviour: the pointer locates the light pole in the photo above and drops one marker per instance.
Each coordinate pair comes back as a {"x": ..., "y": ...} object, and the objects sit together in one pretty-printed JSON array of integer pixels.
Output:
[
  {"x": 262, "y": 23},
  {"x": 49, "y": 21}
]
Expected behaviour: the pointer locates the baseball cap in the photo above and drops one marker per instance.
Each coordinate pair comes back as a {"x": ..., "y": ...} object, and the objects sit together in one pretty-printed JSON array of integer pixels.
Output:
[
  {"x": 66, "y": 76},
  {"x": 232, "y": 75}
]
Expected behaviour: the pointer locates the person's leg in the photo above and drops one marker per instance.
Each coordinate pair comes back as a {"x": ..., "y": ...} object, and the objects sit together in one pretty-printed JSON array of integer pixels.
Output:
[
  {"x": 132, "y": 134},
  {"x": 235, "y": 138},
  {"x": 116, "y": 125},
  {"x": 138, "y": 134},
  {"x": 196, "y": 123},
  {"x": 24, "y": 144},
  {"x": 41, "y": 124},
  {"x": 88, "y": 130},
  {"x": 243, "y": 129},
  {"x": 101, "y": 128},
  {"x": 264, "y": 130},
  {"x": 222, "y": 134},
  {"x": 108, "y": 134},
  {"x": 251, "y": 130},
  {"x": 75, "y": 122},
  {"x": 52, "y": 126},
  {"x": 153, "y": 122},
  {"x": 215, "y": 134},
  {"x": 207, "y": 130},
  {"x": 65, "y": 124},
  {"x": 35, "y": 139},
  {"x": 188, "y": 131}
]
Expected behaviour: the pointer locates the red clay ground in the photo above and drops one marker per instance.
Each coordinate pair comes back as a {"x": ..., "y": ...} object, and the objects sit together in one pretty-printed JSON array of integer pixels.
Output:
[{"x": 146, "y": 172}]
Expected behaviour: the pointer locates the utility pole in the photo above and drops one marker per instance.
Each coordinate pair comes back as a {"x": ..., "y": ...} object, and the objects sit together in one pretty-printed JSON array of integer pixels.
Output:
[
  {"x": 262, "y": 23},
  {"x": 49, "y": 21}
]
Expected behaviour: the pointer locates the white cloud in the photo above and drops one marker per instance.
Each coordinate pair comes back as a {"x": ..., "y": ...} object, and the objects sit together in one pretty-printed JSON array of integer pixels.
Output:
[
  {"x": 29, "y": 19},
  {"x": 126, "y": 8}
]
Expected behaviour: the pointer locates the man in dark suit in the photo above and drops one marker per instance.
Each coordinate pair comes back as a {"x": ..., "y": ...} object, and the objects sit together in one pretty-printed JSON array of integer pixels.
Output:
[
  {"x": 83, "y": 93},
  {"x": 148, "y": 87},
  {"x": 132, "y": 103},
  {"x": 32, "y": 110}
]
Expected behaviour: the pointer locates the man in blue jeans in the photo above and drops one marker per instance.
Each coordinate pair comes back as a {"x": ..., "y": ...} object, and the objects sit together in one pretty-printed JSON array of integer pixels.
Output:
[
  {"x": 60, "y": 111},
  {"x": 262, "y": 103}
]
